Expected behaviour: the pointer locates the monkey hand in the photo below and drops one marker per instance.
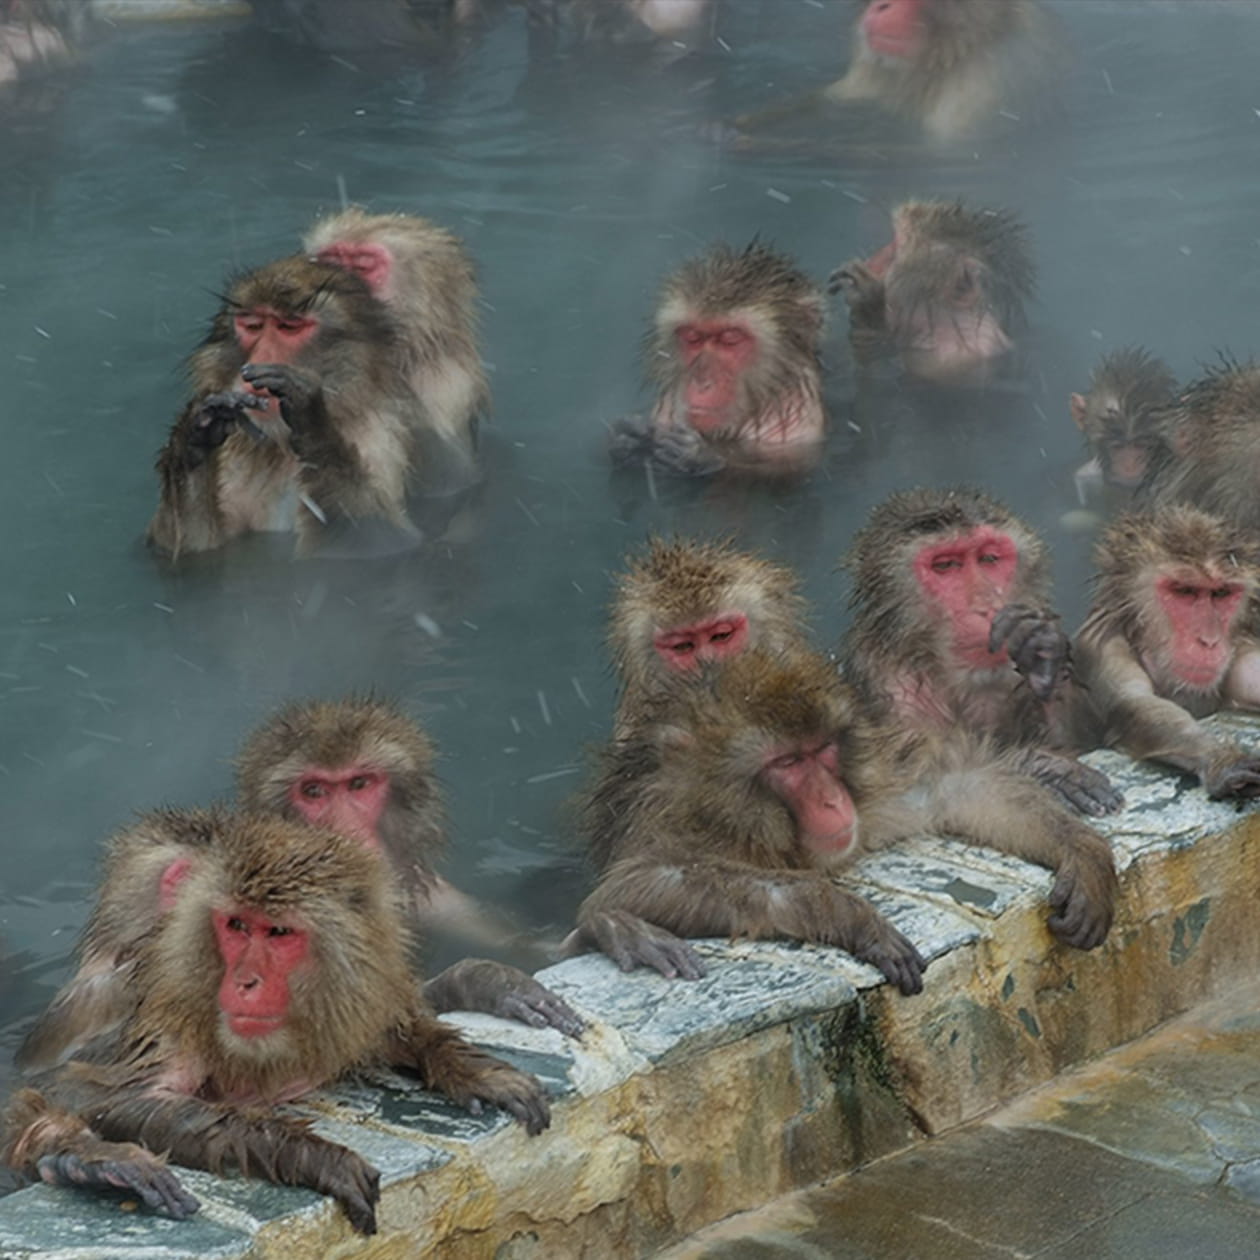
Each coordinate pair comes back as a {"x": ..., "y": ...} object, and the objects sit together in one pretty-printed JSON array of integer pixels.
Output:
[
  {"x": 1237, "y": 776},
  {"x": 1081, "y": 786},
  {"x": 633, "y": 942},
  {"x": 213, "y": 417},
  {"x": 863, "y": 291},
  {"x": 1036, "y": 644},
  {"x": 1083, "y": 897},
  {"x": 895, "y": 956},
  {"x": 121, "y": 1166},
  {"x": 515, "y": 1091},
  {"x": 352, "y": 1181},
  {"x": 479, "y": 984},
  {"x": 675, "y": 449},
  {"x": 296, "y": 390}
]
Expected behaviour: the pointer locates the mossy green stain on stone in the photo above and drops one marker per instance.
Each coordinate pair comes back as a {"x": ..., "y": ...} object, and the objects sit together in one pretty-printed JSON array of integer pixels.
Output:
[
  {"x": 1187, "y": 929},
  {"x": 1029, "y": 1020},
  {"x": 1008, "y": 987}
]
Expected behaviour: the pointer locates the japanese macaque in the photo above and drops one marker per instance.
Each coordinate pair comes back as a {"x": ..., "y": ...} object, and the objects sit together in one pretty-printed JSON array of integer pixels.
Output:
[
  {"x": 357, "y": 767},
  {"x": 623, "y": 20},
  {"x": 733, "y": 351},
  {"x": 38, "y": 35},
  {"x": 299, "y": 418},
  {"x": 1212, "y": 459},
  {"x": 280, "y": 964},
  {"x": 1123, "y": 419},
  {"x": 946, "y": 294},
  {"x": 1173, "y": 635},
  {"x": 955, "y": 68},
  {"x": 952, "y": 633},
  {"x": 728, "y": 812},
  {"x": 682, "y": 603},
  {"x": 425, "y": 277}
]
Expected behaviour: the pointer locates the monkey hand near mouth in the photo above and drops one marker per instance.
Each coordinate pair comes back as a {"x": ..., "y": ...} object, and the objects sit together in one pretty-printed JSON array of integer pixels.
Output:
[{"x": 1036, "y": 644}]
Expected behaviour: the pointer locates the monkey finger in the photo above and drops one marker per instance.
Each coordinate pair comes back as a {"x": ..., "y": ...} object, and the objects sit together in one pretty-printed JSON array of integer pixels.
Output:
[
  {"x": 1240, "y": 780},
  {"x": 360, "y": 1211},
  {"x": 542, "y": 1011}
]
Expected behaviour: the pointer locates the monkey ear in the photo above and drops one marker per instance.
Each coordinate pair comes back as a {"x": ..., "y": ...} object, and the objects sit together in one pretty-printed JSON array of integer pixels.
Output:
[
  {"x": 1076, "y": 403},
  {"x": 171, "y": 879},
  {"x": 815, "y": 307}
]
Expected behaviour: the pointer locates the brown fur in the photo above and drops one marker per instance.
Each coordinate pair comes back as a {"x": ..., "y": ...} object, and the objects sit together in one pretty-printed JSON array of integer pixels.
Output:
[
  {"x": 766, "y": 290},
  {"x": 433, "y": 296},
  {"x": 688, "y": 835},
  {"x": 899, "y": 652},
  {"x": 912, "y": 306},
  {"x": 682, "y": 582},
  {"x": 982, "y": 59},
  {"x": 330, "y": 734},
  {"x": 350, "y": 452},
  {"x": 1136, "y": 701},
  {"x": 1126, "y": 405},
  {"x": 174, "y": 1080},
  {"x": 1214, "y": 462}
]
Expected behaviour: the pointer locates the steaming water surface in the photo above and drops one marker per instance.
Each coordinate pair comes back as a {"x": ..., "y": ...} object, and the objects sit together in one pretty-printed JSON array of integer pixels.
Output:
[{"x": 131, "y": 186}]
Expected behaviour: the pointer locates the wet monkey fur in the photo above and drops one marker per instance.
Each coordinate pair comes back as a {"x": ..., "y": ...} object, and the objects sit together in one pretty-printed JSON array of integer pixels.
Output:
[{"x": 281, "y": 963}]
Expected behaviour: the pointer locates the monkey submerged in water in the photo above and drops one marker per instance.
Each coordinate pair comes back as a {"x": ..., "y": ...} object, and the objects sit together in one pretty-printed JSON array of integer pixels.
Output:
[{"x": 733, "y": 351}]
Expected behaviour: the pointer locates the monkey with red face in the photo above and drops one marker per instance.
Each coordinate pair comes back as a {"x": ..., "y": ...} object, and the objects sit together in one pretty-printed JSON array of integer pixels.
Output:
[
  {"x": 734, "y": 352},
  {"x": 280, "y": 964},
  {"x": 357, "y": 767},
  {"x": 300, "y": 420},
  {"x": 1174, "y": 635},
  {"x": 955, "y": 69},
  {"x": 951, "y": 632}
]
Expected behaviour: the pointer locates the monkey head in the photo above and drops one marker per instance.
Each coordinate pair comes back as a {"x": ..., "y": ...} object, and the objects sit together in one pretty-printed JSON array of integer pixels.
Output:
[
  {"x": 1182, "y": 585},
  {"x": 683, "y": 602},
  {"x": 277, "y": 935},
  {"x": 932, "y": 568}
]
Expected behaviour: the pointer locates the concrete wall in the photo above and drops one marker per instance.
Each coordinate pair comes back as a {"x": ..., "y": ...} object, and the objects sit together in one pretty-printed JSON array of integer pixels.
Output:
[{"x": 787, "y": 1065}]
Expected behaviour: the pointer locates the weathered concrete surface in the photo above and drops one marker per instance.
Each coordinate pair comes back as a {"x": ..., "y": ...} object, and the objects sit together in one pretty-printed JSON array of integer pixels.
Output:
[
  {"x": 1151, "y": 1151},
  {"x": 687, "y": 1102}
]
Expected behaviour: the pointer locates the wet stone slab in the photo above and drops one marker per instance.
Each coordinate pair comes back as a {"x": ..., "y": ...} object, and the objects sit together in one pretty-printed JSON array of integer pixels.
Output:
[
  {"x": 744, "y": 991},
  {"x": 956, "y": 873},
  {"x": 60, "y": 1225}
]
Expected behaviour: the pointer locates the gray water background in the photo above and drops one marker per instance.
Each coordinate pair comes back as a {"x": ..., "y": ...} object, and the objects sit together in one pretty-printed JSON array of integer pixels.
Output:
[{"x": 131, "y": 186}]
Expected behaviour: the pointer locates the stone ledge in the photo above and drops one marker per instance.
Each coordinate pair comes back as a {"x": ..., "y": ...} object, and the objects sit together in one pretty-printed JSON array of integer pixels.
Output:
[{"x": 785, "y": 1066}]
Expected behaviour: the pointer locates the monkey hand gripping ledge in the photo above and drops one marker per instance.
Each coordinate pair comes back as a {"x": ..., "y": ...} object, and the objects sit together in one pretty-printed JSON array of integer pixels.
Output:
[{"x": 785, "y": 1065}]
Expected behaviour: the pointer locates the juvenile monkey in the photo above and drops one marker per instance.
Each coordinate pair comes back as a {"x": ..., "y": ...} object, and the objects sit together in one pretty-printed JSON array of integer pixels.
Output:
[
  {"x": 733, "y": 352},
  {"x": 1123, "y": 417},
  {"x": 280, "y": 964},
  {"x": 1173, "y": 635},
  {"x": 952, "y": 633},
  {"x": 424, "y": 275},
  {"x": 946, "y": 294}
]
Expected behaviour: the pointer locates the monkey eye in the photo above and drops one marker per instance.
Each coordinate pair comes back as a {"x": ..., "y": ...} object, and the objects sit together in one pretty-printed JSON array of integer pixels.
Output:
[
  {"x": 683, "y": 647},
  {"x": 236, "y": 924},
  {"x": 720, "y": 636},
  {"x": 1222, "y": 592},
  {"x": 1182, "y": 591},
  {"x": 278, "y": 929},
  {"x": 291, "y": 327},
  {"x": 691, "y": 336},
  {"x": 786, "y": 762},
  {"x": 989, "y": 557},
  {"x": 359, "y": 782},
  {"x": 943, "y": 564},
  {"x": 313, "y": 789},
  {"x": 249, "y": 323},
  {"x": 731, "y": 337}
]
